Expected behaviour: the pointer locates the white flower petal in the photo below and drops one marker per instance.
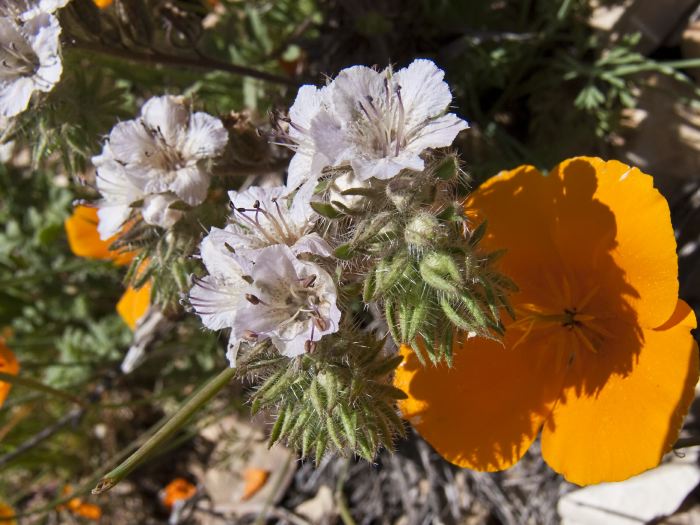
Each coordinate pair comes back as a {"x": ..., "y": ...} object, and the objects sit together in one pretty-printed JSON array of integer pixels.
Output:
[
  {"x": 301, "y": 212},
  {"x": 386, "y": 168},
  {"x": 15, "y": 96},
  {"x": 216, "y": 302},
  {"x": 111, "y": 218},
  {"x": 167, "y": 114},
  {"x": 299, "y": 169},
  {"x": 36, "y": 7},
  {"x": 191, "y": 185},
  {"x": 42, "y": 33},
  {"x": 291, "y": 347},
  {"x": 132, "y": 143},
  {"x": 438, "y": 133},
  {"x": 206, "y": 137},
  {"x": 218, "y": 258},
  {"x": 307, "y": 104},
  {"x": 234, "y": 343},
  {"x": 423, "y": 91},
  {"x": 264, "y": 196},
  {"x": 355, "y": 85},
  {"x": 312, "y": 243},
  {"x": 156, "y": 210},
  {"x": 332, "y": 139}
]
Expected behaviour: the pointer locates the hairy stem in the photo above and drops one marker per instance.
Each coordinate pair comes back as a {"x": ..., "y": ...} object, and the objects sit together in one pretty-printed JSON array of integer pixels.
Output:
[{"x": 179, "y": 419}]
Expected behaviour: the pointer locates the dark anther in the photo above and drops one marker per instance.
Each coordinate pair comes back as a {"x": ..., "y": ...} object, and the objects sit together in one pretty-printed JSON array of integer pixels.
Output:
[{"x": 309, "y": 281}]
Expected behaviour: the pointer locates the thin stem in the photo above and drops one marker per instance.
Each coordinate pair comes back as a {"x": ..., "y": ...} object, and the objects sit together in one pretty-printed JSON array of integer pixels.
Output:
[
  {"x": 691, "y": 63},
  {"x": 41, "y": 387},
  {"x": 687, "y": 442},
  {"x": 340, "y": 501},
  {"x": 178, "y": 420},
  {"x": 71, "y": 417},
  {"x": 201, "y": 62}
]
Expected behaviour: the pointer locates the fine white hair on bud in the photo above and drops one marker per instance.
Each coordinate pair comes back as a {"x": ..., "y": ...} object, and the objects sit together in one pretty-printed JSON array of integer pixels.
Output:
[
  {"x": 159, "y": 158},
  {"x": 376, "y": 122},
  {"x": 30, "y": 59},
  {"x": 422, "y": 231}
]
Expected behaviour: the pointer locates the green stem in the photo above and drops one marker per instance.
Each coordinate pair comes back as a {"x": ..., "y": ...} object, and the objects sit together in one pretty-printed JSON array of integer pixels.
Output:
[
  {"x": 340, "y": 501},
  {"x": 38, "y": 385},
  {"x": 691, "y": 63},
  {"x": 202, "y": 62},
  {"x": 206, "y": 393}
]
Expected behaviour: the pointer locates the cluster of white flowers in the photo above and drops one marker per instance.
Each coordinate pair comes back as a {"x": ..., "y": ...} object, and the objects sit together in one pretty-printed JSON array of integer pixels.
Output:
[
  {"x": 156, "y": 161},
  {"x": 261, "y": 283},
  {"x": 30, "y": 58},
  {"x": 257, "y": 285}
]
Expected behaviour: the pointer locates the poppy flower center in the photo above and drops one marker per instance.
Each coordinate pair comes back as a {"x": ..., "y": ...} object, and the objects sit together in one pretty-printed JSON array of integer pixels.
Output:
[{"x": 586, "y": 328}]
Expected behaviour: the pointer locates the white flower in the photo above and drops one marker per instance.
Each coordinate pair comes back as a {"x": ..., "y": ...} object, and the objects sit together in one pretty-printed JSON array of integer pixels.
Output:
[
  {"x": 157, "y": 211},
  {"x": 26, "y": 9},
  {"x": 344, "y": 182},
  {"x": 32, "y": 8},
  {"x": 164, "y": 153},
  {"x": 307, "y": 162},
  {"x": 118, "y": 192},
  {"x": 267, "y": 216},
  {"x": 7, "y": 148},
  {"x": 218, "y": 296},
  {"x": 379, "y": 123},
  {"x": 291, "y": 302},
  {"x": 29, "y": 60}
]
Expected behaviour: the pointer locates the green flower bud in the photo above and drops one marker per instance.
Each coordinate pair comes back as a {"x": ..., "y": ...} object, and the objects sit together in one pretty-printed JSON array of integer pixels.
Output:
[{"x": 423, "y": 230}]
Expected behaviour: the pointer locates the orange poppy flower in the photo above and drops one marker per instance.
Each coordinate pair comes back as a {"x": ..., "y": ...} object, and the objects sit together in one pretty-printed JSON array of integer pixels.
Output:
[
  {"x": 133, "y": 304},
  {"x": 84, "y": 240},
  {"x": 255, "y": 479},
  {"x": 7, "y": 514},
  {"x": 8, "y": 365},
  {"x": 600, "y": 357},
  {"x": 78, "y": 507},
  {"x": 178, "y": 489},
  {"x": 102, "y": 4}
]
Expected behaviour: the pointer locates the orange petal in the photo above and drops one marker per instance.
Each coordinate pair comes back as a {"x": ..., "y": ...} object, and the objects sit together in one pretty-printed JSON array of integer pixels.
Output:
[
  {"x": 8, "y": 365},
  {"x": 7, "y": 514},
  {"x": 89, "y": 511},
  {"x": 626, "y": 424},
  {"x": 103, "y": 3},
  {"x": 645, "y": 245},
  {"x": 579, "y": 228},
  {"x": 255, "y": 479},
  {"x": 134, "y": 304},
  {"x": 84, "y": 240},
  {"x": 178, "y": 489},
  {"x": 485, "y": 411}
]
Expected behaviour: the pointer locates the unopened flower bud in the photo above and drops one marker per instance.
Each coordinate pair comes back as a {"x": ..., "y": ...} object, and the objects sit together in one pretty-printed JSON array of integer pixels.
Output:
[{"x": 423, "y": 230}]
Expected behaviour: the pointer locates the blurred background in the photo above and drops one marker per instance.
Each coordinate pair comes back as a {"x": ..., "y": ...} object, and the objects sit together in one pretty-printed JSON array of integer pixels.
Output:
[{"x": 538, "y": 80}]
